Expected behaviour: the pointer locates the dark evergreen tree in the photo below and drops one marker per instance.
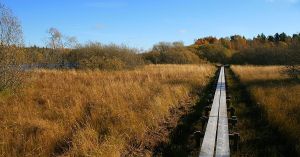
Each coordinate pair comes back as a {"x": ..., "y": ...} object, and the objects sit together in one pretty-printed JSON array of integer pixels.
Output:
[
  {"x": 271, "y": 38},
  {"x": 276, "y": 37},
  {"x": 282, "y": 37}
]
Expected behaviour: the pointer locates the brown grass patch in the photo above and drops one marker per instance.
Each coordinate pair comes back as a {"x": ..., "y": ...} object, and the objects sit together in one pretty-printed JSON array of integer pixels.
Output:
[
  {"x": 93, "y": 113},
  {"x": 277, "y": 95}
]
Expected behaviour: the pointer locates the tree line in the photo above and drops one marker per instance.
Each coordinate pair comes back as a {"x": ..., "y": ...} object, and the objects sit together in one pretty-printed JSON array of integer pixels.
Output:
[
  {"x": 261, "y": 50},
  {"x": 280, "y": 49}
]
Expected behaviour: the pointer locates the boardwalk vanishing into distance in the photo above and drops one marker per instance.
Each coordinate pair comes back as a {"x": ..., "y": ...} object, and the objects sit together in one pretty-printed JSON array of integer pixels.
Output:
[
  {"x": 216, "y": 138},
  {"x": 166, "y": 85}
]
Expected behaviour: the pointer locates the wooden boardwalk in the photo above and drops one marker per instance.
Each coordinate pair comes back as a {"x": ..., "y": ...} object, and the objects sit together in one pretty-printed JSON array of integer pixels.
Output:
[{"x": 216, "y": 138}]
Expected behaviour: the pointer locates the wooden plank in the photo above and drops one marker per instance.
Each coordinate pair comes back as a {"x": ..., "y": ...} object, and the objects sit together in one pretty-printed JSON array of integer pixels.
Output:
[
  {"x": 214, "y": 112},
  {"x": 222, "y": 145},
  {"x": 208, "y": 144},
  {"x": 222, "y": 98},
  {"x": 215, "y": 106}
]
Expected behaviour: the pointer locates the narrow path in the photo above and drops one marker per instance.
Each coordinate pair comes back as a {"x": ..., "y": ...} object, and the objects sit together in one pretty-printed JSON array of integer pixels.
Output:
[{"x": 216, "y": 138}]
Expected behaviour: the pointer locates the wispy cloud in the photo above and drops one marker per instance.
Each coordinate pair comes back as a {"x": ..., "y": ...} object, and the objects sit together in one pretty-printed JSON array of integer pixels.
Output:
[
  {"x": 98, "y": 26},
  {"x": 106, "y": 5},
  {"x": 182, "y": 31}
]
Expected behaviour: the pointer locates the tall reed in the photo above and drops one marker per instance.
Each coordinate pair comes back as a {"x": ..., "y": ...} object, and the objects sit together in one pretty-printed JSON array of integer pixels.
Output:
[
  {"x": 93, "y": 113},
  {"x": 277, "y": 94}
]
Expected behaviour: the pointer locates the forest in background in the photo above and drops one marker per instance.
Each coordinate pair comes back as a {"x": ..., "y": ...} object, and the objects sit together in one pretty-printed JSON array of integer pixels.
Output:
[{"x": 278, "y": 49}]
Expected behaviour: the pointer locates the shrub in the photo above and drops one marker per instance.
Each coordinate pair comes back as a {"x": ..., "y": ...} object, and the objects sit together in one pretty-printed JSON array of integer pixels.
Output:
[
  {"x": 109, "y": 57},
  {"x": 215, "y": 53},
  {"x": 171, "y": 53}
]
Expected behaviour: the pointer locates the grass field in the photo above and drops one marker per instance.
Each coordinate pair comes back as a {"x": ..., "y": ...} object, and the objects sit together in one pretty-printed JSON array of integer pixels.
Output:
[
  {"x": 278, "y": 96},
  {"x": 93, "y": 113}
]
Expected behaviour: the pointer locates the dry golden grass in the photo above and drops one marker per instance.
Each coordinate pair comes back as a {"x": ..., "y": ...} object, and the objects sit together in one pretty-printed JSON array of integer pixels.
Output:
[
  {"x": 92, "y": 113},
  {"x": 259, "y": 73},
  {"x": 278, "y": 95}
]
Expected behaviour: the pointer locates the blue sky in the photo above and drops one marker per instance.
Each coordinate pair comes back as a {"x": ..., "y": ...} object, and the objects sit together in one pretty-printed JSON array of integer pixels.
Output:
[{"x": 142, "y": 23}]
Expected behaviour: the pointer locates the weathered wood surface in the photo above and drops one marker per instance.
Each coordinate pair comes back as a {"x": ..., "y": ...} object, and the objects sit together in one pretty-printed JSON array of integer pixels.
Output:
[
  {"x": 216, "y": 138},
  {"x": 222, "y": 148}
]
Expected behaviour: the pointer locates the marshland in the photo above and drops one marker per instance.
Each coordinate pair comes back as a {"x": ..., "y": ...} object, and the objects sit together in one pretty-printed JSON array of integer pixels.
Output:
[{"x": 71, "y": 86}]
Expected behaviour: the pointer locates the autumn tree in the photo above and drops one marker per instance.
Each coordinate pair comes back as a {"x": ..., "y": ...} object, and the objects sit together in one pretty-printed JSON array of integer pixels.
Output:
[
  {"x": 11, "y": 43},
  {"x": 226, "y": 43},
  {"x": 55, "y": 39},
  {"x": 60, "y": 45},
  {"x": 238, "y": 42}
]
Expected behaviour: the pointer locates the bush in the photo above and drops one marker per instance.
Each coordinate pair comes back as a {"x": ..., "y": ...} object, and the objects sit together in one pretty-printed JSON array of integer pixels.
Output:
[
  {"x": 171, "y": 53},
  {"x": 215, "y": 53},
  {"x": 108, "y": 57},
  {"x": 281, "y": 55}
]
